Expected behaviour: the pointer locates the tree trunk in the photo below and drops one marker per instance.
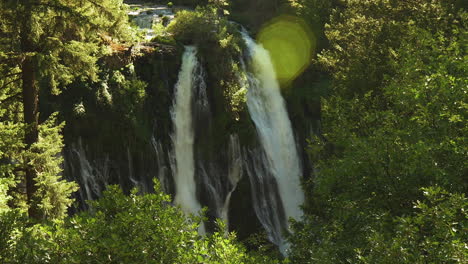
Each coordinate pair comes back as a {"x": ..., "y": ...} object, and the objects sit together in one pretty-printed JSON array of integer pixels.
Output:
[
  {"x": 30, "y": 105},
  {"x": 30, "y": 113}
]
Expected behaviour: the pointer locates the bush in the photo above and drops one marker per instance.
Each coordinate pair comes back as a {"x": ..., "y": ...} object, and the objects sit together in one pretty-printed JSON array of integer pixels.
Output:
[{"x": 119, "y": 228}]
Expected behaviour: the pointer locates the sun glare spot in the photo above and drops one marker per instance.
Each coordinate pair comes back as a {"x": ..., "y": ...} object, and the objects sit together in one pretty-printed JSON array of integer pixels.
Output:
[{"x": 291, "y": 44}]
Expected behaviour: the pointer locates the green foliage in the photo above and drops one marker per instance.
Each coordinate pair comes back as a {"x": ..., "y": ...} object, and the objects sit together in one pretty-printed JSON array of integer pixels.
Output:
[
  {"x": 45, "y": 46},
  {"x": 221, "y": 6},
  {"x": 11, "y": 134},
  {"x": 12, "y": 228},
  {"x": 188, "y": 3},
  {"x": 434, "y": 233},
  {"x": 53, "y": 194},
  {"x": 221, "y": 247},
  {"x": 128, "y": 92},
  {"x": 66, "y": 37},
  {"x": 10, "y": 107},
  {"x": 123, "y": 229},
  {"x": 119, "y": 229},
  {"x": 364, "y": 38},
  {"x": 10, "y": 156},
  {"x": 316, "y": 13},
  {"x": 165, "y": 20},
  {"x": 206, "y": 29},
  {"x": 117, "y": 106},
  {"x": 263, "y": 247},
  {"x": 195, "y": 26},
  {"x": 160, "y": 29},
  {"x": 394, "y": 123}
]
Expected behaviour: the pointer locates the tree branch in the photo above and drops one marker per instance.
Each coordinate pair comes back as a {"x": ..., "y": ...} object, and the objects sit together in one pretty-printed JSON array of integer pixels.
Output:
[
  {"x": 17, "y": 95},
  {"x": 11, "y": 75},
  {"x": 10, "y": 82},
  {"x": 6, "y": 71},
  {"x": 14, "y": 57}
]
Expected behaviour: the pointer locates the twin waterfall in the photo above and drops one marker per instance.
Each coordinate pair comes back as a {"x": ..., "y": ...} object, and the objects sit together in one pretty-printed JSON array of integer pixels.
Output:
[
  {"x": 203, "y": 167},
  {"x": 274, "y": 169}
]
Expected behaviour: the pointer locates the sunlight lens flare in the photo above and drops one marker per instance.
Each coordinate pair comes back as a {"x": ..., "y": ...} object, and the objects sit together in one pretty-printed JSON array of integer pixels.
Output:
[{"x": 291, "y": 44}]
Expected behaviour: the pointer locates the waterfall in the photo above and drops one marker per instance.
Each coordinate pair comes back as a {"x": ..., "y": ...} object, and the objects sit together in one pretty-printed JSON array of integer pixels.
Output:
[
  {"x": 163, "y": 170},
  {"x": 266, "y": 201},
  {"x": 91, "y": 179},
  {"x": 267, "y": 110},
  {"x": 134, "y": 181},
  {"x": 217, "y": 171},
  {"x": 234, "y": 174},
  {"x": 183, "y": 138},
  {"x": 207, "y": 172},
  {"x": 203, "y": 168}
]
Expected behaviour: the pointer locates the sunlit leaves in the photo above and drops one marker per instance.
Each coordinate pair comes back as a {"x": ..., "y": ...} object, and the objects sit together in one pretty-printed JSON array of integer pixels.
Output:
[
  {"x": 120, "y": 229},
  {"x": 395, "y": 122},
  {"x": 434, "y": 232}
]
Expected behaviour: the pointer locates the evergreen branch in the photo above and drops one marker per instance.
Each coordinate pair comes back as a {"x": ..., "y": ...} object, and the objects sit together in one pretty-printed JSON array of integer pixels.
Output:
[
  {"x": 7, "y": 72},
  {"x": 14, "y": 57},
  {"x": 11, "y": 75},
  {"x": 66, "y": 9},
  {"x": 102, "y": 8},
  {"x": 14, "y": 96},
  {"x": 10, "y": 82}
]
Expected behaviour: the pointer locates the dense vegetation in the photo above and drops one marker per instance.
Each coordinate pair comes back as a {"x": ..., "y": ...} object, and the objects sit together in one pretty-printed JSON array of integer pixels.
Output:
[
  {"x": 389, "y": 151},
  {"x": 391, "y": 161}
]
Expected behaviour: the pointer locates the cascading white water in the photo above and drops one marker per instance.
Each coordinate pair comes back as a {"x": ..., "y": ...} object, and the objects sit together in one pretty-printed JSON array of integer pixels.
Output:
[
  {"x": 137, "y": 182},
  {"x": 267, "y": 109},
  {"x": 90, "y": 177},
  {"x": 216, "y": 186},
  {"x": 163, "y": 169},
  {"x": 146, "y": 15},
  {"x": 266, "y": 201},
  {"x": 183, "y": 136},
  {"x": 86, "y": 173},
  {"x": 234, "y": 174}
]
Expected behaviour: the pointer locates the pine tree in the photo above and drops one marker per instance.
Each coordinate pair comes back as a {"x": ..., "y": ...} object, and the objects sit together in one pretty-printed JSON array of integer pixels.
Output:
[{"x": 49, "y": 44}]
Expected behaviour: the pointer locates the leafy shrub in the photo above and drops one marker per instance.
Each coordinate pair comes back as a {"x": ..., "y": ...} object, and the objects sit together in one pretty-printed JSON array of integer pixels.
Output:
[{"x": 119, "y": 228}]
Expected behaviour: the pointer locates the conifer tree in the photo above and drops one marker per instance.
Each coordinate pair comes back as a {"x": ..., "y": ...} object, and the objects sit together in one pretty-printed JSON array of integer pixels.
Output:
[{"x": 49, "y": 44}]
